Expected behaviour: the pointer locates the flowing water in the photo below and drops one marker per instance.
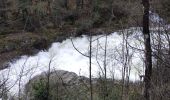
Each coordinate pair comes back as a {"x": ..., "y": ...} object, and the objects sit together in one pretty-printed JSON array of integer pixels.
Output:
[{"x": 63, "y": 56}]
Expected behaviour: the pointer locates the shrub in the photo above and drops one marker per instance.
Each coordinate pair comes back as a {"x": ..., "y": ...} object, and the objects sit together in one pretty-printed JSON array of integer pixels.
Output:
[{"x": 40, "y": 90}]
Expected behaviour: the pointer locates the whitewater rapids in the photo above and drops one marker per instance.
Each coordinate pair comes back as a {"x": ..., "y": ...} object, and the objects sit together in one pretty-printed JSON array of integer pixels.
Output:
[{"x": 63, "y": 56}]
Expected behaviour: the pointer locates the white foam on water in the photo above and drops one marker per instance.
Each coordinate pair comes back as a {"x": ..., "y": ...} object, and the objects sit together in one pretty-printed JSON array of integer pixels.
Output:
[{"x": 63, "y": 56}]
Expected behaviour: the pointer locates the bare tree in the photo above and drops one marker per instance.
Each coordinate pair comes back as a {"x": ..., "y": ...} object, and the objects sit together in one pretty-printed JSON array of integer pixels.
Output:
[{"x": 148, "y": 52}]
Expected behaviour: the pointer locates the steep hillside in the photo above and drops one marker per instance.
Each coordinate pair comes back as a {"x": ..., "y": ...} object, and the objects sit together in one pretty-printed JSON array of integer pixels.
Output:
[{"x": 27, "y": 26}]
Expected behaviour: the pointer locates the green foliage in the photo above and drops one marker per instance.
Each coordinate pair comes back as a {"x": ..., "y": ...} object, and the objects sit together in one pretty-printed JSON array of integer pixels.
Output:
[
  {"x": 61, "y": 91},
  {"x": 40, "y": 90}
]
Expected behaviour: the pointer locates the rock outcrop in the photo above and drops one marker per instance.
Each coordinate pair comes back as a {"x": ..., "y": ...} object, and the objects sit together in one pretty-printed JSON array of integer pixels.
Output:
[{"x": 62, "y": 85}]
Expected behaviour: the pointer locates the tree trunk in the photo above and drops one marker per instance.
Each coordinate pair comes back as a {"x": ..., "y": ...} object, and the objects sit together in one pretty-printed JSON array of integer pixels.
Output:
[
  {"x": 148, "y": 52},
  {"x": 90, "y": 68},
  {"x": 3, "y": 9}
]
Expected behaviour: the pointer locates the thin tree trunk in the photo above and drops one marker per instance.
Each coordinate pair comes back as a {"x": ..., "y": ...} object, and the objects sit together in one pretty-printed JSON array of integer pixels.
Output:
[
  {"x": 105, "y": 70},
  {"x": 148, "y": 52},
  {"x": 48, "y": 80},
  {"x": 90, "y": 74}
]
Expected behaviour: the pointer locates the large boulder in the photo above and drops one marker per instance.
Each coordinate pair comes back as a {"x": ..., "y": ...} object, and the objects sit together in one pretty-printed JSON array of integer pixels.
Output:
[{"x": 62, "y": 85}]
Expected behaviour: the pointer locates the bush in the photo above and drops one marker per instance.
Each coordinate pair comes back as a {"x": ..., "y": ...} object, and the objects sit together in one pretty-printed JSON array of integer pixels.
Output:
[{"x": 40, "y": 90}]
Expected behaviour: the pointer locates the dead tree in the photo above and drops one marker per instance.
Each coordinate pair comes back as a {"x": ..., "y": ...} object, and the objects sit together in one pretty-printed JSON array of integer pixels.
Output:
[
  {"x": 90, "y": 62},
  {"x": 148, "y": 52}
]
